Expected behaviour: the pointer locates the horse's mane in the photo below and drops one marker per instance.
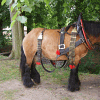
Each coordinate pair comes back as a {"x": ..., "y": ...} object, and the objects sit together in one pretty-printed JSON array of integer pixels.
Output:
[{"x": 93, "y": 28}]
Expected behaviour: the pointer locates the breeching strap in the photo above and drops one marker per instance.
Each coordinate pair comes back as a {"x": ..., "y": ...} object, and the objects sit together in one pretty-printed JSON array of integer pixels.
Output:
[
  {"x": 39, "y": 50},
  {"x": 39, "y": 53}
]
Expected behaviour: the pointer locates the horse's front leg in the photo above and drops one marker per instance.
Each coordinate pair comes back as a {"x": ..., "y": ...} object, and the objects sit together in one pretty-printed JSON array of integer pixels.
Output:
[{"x": 74, "y": 82}]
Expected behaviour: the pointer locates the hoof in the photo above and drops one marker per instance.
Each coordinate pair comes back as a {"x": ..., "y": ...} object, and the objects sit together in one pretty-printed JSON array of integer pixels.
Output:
[
  {"x": 36, "y": 78},
  {"x": 27, "y": 82},
  {"x": 73, "y": 88}
]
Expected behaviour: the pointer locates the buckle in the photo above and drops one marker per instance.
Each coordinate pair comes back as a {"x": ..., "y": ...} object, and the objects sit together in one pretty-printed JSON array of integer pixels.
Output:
[
  {"x": 61, "y": 46},
  {"x": 82, "y": 39},
  {"x": 40, "y": 36},
  {"x": 62, "y": 32}
]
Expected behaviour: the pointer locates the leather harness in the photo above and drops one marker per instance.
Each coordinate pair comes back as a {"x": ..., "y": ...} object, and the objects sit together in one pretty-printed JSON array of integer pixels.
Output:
[{"x": 62, "y": 50}]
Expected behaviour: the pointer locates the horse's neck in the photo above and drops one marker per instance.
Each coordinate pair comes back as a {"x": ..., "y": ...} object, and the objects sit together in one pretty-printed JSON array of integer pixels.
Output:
[{"x": 94, "y": 39}]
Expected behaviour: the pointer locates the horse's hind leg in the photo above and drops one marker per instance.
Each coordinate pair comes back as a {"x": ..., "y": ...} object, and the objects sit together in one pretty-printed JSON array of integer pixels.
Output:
[
  {"x": 34, "y": 73},
  {"x": 25, "y": 71},
  {"x": 74, "y": 82}
]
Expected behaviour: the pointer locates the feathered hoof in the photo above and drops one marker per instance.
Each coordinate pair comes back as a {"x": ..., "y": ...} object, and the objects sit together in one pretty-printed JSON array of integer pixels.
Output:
[
  {"x": 27, "y": 82},
  {"x": 36, "y": 78},
  {"x": 73, "y": 88}
]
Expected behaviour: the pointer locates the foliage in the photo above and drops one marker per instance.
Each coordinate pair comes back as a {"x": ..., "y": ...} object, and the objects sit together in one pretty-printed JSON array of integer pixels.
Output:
[
  {"x": 3, "y": 40},
  {"x": 4, "y": 22},
  {"x": 54, "y": 13},
  {"x": 90, "y": 63},
  {"x": 4, "y": 16}
]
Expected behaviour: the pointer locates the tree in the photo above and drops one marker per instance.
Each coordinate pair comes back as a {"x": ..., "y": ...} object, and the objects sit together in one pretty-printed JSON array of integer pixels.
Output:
[
  {"x": 17, "y": 35},
  {"x": 17, "y": 32}
]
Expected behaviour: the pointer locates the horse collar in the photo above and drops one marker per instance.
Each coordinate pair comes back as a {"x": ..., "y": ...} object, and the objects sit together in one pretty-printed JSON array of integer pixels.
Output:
[
  {"x": 82, "y": 33},
  {"x": 88, "y": 42}
]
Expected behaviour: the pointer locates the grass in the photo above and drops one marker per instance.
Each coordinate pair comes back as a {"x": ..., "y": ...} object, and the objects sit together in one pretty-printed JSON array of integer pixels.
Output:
[
  {"x": 2, "y": 57},
  {"x": 9, "y": 69},
  {"x": 57, "y": 76},
  {"x": 8, "y": 95}
]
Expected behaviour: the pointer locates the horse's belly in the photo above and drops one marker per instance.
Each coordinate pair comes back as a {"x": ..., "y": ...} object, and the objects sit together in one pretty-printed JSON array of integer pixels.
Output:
[{"x": 51, "y": 54}]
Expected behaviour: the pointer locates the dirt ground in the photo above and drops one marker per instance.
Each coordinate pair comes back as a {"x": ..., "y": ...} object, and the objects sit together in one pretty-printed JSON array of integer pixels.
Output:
[{"x": 14, "y": 90}]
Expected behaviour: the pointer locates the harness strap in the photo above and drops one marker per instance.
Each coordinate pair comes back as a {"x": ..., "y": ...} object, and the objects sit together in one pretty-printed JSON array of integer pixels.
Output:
[
  {"x": 62, "y": 37},
  {"x": 77, "y": 43},
  {"x": 39, "y": 51},
  {"x": 72, "y": 47}
]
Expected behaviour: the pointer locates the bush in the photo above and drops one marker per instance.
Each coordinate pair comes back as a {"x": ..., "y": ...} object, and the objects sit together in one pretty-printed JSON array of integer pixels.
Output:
[
  {"x": 90, "y": 63},
  {"x": 3, "y": 40}
]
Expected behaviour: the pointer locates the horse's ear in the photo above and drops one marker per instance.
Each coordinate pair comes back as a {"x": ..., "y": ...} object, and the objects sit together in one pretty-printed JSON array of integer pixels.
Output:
[{"x": 79, "y": 18}]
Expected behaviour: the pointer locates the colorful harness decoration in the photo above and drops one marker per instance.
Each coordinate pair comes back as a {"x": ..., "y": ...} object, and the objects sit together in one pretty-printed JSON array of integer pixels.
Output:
[{"x": 78, "y": 30}]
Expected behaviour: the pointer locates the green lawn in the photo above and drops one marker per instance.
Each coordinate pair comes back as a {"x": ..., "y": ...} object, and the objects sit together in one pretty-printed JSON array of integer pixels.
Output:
[{"x": 9, "y": 69}]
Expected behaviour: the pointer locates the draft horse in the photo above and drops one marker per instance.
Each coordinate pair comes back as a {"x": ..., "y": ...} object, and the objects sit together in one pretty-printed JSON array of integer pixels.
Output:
[{"x": 87, "y": 35}]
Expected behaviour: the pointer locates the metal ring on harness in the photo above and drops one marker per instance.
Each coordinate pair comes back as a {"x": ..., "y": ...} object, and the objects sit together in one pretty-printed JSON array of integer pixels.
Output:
[
  {"x": 44, "y": 67},
  {"x": 61, "y": 65},
  {"x": 53, "y": 66}
]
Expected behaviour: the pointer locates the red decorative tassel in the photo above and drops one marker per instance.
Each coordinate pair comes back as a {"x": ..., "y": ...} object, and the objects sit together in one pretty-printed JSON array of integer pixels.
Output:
[
  {"x": 38, "y": 63},
  {"x": 58, "y": 52},
  {"x": 53, "y": 63},
  {"x": 72, "y": 66}
]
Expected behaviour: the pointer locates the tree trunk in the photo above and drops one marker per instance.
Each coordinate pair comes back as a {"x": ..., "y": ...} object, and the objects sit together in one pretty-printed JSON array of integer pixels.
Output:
[{"x": 17, "y": 36}]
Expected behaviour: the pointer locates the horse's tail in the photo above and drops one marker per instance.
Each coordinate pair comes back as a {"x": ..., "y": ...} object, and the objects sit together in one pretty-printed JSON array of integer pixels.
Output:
[{"x": 22, "y": 61}]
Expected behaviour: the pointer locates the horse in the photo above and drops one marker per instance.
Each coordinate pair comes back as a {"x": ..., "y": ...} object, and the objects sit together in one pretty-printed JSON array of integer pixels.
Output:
[{"x": 50, "y": 42}]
